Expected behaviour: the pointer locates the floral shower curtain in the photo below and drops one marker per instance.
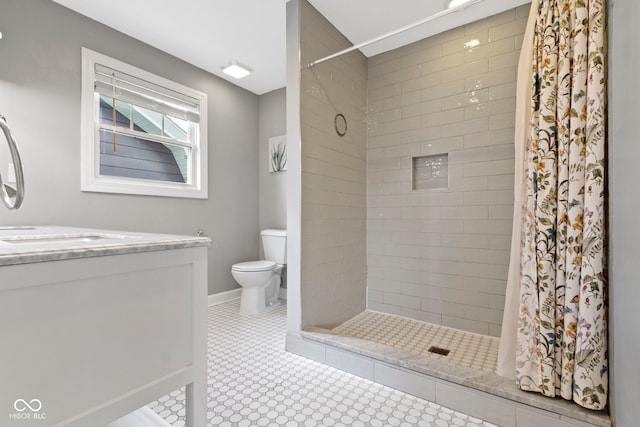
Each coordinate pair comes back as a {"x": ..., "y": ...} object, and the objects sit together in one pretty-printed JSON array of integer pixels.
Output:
[{"x": 561, "y": 347}]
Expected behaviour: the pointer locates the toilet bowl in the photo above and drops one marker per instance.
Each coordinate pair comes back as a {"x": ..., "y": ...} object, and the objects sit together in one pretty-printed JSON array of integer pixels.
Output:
[{"x": 260, "y": 280}]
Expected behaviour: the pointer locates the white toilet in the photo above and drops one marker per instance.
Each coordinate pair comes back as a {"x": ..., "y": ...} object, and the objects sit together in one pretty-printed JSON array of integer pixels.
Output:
[{"x": 260, "y": 280}]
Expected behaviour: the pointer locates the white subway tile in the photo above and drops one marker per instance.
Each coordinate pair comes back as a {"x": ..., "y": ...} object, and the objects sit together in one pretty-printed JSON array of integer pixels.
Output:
[
  {"x": 464, "y": 99},
  {"x": 495, "y": 330},
  {"x": 442, "y": 145},
  {"x": 503, "y": 121},
  {"x": 403, "y": 150},
  {"x": 307, "y": 349},
  {"x": 465, "y": 269},
  {"x": 469, "y": 156},
  {"x": 349, "y": 362},
  {"x": 508, "y": 29},
  {"x": 437, "y": 198},
  {"x": 425, "y": 54},
  {"x": 496, "y": 302},
  {"x": 374, "y": 295},
  {"x": 385, "y": 92},
  {"x": 422, "y": 108},
  {"x": 465, "y": 241},
  {"x": 443, "y": 90},
  {"x": 489, "y": 256},
  {"x": 498, "y": 272},
  {"x": 422, "y": 290},
  {"x": 475, "y": 111},
  {"x": 384, "y": 67},
  {"x": 489, "y": 138},
  {"x": 399, "y": 379},
  {"x": 489, "y": 49},
  {"x": 419, "y": 83},
  {"x": 500, "y": 241},
  {"x": 492, "y": 167},
  {"x": 466, "y": 325},
  {"x": 466, "y": 127},
  {"x": 407, "y": 251},
  {"x": 422, "y": 239},
  {"x": 402, "y": 300},
  {"x": 491, "y": 21},
  {"x": 443, "y": 117},
  {"x": 442, "y": 307},
  {"x": 462, "y": 43},
  {"x": 501, "y": 212},
  {"x": 465, "y": 212},
  {"x": 442, "y": 253},
  {"x": 384, "y": 308},
  {"x": 488, "y": 285},
  {"x": 443, "y": 63},
  {"x": 504, "y": 60},
  {"x": 466, "y": 297},
  {"x": 422, "y": 135},
  {"x": 489, "y": 79},
  {"x": 491, "y": 226},
  {"x": 464, "y": 71},
  {"x": 482, "y": 314},
  {"x": 402, "y": 75}
]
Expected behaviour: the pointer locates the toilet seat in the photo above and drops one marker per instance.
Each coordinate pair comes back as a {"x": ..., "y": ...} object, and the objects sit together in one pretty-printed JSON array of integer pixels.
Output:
[{"x": 254, "y": 266}]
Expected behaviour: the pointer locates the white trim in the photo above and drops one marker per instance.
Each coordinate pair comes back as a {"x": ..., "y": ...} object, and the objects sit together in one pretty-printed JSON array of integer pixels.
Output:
[
  {"x": 222, "y": 297},
  {"x": 92, "y": 181},
  {"x": 143, "y": 417}
]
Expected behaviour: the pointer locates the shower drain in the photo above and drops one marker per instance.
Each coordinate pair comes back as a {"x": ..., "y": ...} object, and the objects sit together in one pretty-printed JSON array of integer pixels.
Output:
[{"x": 438, "y": 350}]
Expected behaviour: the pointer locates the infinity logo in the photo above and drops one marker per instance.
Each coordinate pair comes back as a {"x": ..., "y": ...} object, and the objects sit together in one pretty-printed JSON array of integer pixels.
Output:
[{"x": 22, "y": 405}]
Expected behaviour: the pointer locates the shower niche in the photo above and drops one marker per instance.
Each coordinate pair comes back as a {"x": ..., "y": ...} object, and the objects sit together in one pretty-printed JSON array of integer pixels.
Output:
[{"x": 430, "y": 172}]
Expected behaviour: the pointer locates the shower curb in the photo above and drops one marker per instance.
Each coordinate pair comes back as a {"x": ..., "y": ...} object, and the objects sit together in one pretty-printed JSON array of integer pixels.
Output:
[{"x": 478, "y": 393}]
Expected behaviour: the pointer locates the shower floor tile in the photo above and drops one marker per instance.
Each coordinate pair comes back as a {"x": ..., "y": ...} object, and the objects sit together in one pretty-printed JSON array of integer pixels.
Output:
[
  {"x": 253, "y": 381},
  {"x": 466, "y": 348}
]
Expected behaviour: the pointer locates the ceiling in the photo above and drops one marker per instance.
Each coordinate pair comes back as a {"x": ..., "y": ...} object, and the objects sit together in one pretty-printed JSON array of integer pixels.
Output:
[{"x": 211, "y": 33}]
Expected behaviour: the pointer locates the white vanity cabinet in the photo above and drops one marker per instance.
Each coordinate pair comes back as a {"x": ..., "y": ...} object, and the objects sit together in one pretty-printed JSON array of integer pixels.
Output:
[{"x": 88, "y": 339}]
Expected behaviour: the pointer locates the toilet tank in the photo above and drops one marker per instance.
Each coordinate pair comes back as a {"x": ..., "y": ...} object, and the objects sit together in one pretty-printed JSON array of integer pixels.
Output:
[{"x": 274, "y": 243}]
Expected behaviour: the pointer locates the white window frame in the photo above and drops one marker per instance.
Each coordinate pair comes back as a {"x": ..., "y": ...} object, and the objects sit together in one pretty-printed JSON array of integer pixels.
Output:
[{"x": 92, "y": 181}]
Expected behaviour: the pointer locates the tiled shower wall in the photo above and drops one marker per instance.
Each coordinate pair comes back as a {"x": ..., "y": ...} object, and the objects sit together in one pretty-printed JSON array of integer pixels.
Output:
[
  {"x": 334, "y": 212},
  {"x": 441, "y": 255}
]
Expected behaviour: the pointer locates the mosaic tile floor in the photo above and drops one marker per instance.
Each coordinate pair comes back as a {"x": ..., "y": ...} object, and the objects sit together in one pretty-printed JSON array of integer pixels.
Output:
[
  {"x": 466, "y": 348},
  {"x": 253, "y": 381}
]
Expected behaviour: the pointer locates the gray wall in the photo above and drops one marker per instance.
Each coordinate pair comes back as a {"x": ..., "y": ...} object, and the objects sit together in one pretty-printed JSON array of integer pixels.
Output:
[
  {"x": 333, "y": 176},
  {"x": 624, "y": 204},
  {"x": 40, "y": 96},
  {"x": 442, "y": 255},
  {"x": 273, "y": 191}
]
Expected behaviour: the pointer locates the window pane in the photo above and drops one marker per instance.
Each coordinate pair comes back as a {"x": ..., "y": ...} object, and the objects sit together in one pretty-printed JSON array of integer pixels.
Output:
[
  {"x": 106, "y": 110},
  {"x": 147, "y": 121},
  {"x": 140, "y": 158},
  {"x": 122, "y": 113},
  {"x": 176, "y": 128}
]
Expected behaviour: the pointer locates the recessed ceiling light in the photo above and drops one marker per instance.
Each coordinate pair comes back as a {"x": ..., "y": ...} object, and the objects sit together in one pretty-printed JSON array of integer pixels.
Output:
[
  {"x": 236, "y": 70},
  {"x": 455, "y": 3}
]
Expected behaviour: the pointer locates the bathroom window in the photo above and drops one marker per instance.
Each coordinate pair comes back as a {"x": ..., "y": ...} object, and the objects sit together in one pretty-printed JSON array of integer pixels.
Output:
[{"x": 141, "y": 133}]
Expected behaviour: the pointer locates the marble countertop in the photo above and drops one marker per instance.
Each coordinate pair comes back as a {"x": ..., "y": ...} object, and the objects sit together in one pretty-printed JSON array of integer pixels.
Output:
[{"x": 30, "y": 244}]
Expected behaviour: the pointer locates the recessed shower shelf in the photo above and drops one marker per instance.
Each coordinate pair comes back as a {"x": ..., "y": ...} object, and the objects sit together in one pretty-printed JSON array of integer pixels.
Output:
[{"x": 431, "y": 172}]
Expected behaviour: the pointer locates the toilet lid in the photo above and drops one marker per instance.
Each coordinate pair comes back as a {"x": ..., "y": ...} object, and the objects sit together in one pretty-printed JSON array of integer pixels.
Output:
[{"x": 254, "y": 266}]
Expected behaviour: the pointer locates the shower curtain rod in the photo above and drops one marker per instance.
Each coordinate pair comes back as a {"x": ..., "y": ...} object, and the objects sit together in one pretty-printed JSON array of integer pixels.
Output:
[{"x": 393, "y": 33}]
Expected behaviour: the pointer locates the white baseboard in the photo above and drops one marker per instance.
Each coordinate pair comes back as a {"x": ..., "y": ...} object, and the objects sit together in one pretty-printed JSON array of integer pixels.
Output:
[
  {"x": 143, "y": 417},
  {"x": 222, "y": 297}
]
